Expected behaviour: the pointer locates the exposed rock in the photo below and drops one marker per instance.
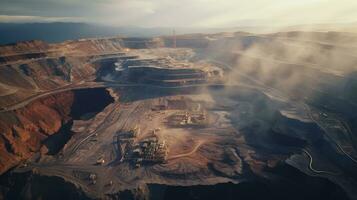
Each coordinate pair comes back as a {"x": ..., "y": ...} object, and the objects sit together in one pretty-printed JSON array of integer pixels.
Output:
[{"x": 23, "y": 130}]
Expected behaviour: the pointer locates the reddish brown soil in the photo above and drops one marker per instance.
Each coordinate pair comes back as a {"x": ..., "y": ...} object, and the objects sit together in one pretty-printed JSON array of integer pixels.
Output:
[{"x": 22, "y": 131}]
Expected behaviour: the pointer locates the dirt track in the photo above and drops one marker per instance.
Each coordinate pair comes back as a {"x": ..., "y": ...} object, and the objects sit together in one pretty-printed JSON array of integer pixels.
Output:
[{"x": 189, "y": 153}]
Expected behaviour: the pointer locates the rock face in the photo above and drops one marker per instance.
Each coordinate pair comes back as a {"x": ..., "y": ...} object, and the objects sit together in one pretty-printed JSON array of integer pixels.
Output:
[
  {"x": 32, "y": 67},
  {"x": 22, "y": 131},
  {"x": 24, "y": 80},
  {"x": 44, "y": 125},
  {"x": 23, "y": 47}
]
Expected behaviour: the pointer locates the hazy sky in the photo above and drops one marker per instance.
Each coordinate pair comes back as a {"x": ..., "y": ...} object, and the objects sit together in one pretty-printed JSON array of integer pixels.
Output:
[{"x": 181, "y": 13}]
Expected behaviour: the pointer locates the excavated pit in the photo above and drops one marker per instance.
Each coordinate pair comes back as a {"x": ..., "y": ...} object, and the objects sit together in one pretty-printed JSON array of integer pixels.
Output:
[
  {"x": 89, "y": 101},
  {"x": 86, "y": 104}
]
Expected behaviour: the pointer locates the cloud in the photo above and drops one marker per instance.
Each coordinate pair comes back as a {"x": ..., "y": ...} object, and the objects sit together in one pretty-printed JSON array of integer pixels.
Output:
[
  {"x": 21, "y": 18},
  {"x": 169, "y": 13}
]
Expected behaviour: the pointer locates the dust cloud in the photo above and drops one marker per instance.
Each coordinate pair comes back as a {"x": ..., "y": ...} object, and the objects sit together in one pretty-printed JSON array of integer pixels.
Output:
[{"x": 297, "y": 63}]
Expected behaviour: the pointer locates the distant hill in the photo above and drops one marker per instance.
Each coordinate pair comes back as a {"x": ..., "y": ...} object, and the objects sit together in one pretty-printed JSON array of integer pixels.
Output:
[{"x": 60, "y": 31}]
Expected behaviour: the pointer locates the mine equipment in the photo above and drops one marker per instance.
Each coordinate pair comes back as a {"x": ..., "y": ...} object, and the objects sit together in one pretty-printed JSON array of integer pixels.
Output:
[
  {"x": 189, "y": 118},
  {"x": 137, "y": 152},
  {"x": 100, "y": 161},
  {"x": 93, "y": 178},
  {"x": 150, "y": 150},
  {"x": 134, "y": 132}
]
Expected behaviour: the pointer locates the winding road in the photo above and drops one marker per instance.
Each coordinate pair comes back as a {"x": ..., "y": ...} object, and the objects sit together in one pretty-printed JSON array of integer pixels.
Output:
[
  {"x": 315, "y": 170},
  {"x": 187, "y": 154},
  {"x": 327, "y": 135}
]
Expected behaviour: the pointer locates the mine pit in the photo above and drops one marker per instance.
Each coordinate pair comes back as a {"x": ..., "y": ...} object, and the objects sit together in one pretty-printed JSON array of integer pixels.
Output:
[
  {"x": 162, "y": 123},
  {"x": 89, "y": 101},
  {"x": 86, "y": 103}
]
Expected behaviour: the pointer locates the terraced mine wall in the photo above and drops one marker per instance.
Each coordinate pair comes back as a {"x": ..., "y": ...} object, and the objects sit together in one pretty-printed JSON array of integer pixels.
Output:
[
  {"x": 24, "y": 47},
  {"x": 187, "y": 41},
  {"x": 106, "y": 67},
  {"x": 165, "y": 77},
  {"x": 20, "y": 81},
  {"x": 44, "y": 125},
  {"x": 142, "y": 43},
  {"x": 4, "y": 59}
]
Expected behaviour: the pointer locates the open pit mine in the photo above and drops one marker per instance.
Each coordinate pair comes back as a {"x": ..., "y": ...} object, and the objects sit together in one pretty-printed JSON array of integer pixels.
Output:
[{"x": 218, "y": 116}]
